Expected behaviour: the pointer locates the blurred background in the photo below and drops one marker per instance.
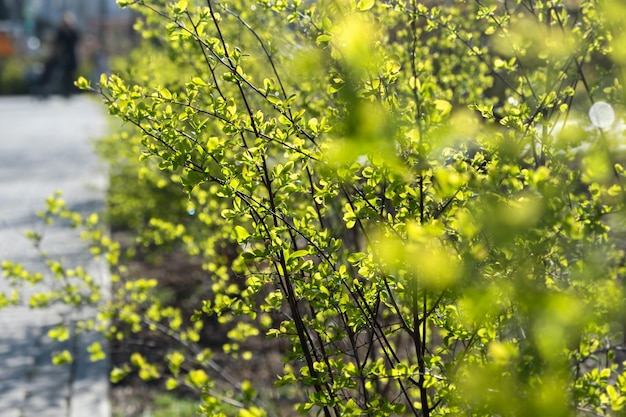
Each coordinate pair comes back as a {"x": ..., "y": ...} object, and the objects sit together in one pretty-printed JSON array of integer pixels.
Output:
[{"x": 27, "y": 36}]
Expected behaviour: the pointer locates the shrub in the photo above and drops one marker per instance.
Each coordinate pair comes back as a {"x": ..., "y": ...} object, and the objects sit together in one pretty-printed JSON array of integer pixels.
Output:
[
  {"x": 408, "y": 195},
  {"x": 13, "y": 77}
]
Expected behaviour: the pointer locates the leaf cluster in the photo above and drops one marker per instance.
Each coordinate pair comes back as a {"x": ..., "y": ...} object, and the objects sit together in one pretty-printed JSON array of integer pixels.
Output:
[{"x": 407, "y": 195}]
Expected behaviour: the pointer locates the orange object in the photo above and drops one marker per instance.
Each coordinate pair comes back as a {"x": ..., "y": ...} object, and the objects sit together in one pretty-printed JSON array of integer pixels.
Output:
[{"x": 6, "y": 46}]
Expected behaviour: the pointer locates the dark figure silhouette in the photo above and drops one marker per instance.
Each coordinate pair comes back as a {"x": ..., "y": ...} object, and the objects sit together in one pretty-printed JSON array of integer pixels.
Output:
[{"x": 60, "y": 69}]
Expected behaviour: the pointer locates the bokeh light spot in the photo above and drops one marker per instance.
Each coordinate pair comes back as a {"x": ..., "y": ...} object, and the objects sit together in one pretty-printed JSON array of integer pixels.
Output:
[{"x": 602, "y": 115}]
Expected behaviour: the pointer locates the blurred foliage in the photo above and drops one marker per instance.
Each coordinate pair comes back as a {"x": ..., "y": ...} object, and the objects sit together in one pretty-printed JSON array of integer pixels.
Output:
[
  {"x": 13, "y": 76},
  {"x": 407, "y": 196}
]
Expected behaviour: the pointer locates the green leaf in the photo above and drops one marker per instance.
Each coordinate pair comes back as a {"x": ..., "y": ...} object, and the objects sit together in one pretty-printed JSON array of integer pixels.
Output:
[
  {"x": 610, "y": 390},
  {"x": 137, "y": 359},
  {"x": 62, "y": 358},
  {"x": 171, "y": 384},
  {"x": 443, "y": 106},
  {"x": 252, "y": 412},
  {"x": 324, "y": 38},
  {"x": 96, "y": 352},
  {"x": 82, "y": 83},
  {"x": 198, "y": 378},
  {"x": 117, "y": 374},
  {"x": 364, "y": 5},
  {"x": 181, "y": 6},
  {"x": 241, "y": 234},
  {"x": 198, "y": 81},
  {"x": 165, "y": 93},
  {"x": 298, "y": 254},
  {"x": 60, "y": 333}
]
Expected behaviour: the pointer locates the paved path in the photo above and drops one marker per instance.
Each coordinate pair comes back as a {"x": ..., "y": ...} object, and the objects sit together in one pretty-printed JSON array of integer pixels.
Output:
[{"x": 45, "y": 146}]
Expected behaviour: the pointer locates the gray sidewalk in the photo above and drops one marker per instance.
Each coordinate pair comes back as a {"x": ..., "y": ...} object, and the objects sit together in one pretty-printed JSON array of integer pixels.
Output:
[{"x": 45, "y": 146}]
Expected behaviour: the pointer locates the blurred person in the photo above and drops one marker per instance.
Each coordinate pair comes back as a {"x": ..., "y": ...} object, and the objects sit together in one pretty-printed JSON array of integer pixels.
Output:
[{"x": 60, "y": 69}]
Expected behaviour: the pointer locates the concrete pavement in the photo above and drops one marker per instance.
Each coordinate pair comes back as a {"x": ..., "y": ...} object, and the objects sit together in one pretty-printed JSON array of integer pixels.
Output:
[{"x": 46, "y": 146}]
